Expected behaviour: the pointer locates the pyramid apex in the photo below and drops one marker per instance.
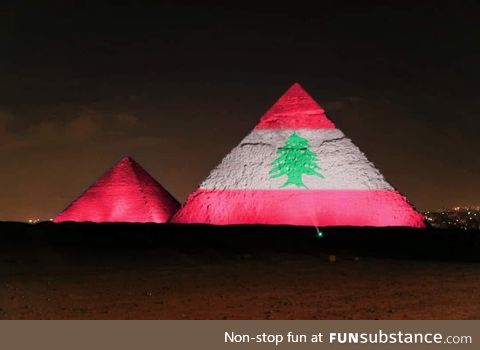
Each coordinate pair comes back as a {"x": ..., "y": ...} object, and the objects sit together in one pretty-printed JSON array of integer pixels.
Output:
[
  {"x": 295, "y": 109},
  {"x": 126, "y": 159},
  {"x": 296, "y": 85}
]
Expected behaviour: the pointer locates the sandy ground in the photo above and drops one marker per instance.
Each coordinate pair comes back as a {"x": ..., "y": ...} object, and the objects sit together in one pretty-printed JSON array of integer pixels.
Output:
[{"x": 280, "y": 286}]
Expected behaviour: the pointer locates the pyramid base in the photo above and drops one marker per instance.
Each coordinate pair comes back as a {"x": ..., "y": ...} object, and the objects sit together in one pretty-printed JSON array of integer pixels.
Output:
[{"x": 378, "y": 208}]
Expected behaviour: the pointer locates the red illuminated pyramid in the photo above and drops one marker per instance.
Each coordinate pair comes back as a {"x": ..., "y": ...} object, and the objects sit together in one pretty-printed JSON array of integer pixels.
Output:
[
  {"x": 297, "y": 168},
  {"x": 126, "y": 193}
]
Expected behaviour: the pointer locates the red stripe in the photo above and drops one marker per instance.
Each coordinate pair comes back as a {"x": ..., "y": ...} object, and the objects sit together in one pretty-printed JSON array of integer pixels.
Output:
[
  {"x": 301, "y": 120},
  {"x": 299, "y": 207},
  {"x": 295, "y": 109}
]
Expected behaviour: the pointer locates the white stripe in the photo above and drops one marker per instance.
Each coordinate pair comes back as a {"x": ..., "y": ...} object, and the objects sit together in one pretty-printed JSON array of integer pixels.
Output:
[{"x": 342, "y": 164}]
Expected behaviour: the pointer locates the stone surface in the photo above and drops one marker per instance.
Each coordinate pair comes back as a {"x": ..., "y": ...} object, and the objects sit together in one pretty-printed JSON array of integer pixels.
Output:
[
  {"x": 295, "y": 109},
  {"x": 344, "y": 189},
  {"x": 343, "y": 165},
  {"x": 126, "y": 193}
]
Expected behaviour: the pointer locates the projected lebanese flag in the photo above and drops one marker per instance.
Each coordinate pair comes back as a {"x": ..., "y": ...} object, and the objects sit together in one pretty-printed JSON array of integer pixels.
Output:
[
  {"x": 126, "y": 193},
  {"x": 297, "y": 168}
]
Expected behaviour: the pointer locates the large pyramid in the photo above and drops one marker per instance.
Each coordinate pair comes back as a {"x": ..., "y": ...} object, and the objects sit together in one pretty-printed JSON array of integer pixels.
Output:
[
  {"x": 126, "y": 193},
  {"x": 297, "y": 168}
]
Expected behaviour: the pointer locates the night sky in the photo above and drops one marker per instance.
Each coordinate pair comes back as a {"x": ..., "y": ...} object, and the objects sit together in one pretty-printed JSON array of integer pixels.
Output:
[{"x": 177, "y": 86}]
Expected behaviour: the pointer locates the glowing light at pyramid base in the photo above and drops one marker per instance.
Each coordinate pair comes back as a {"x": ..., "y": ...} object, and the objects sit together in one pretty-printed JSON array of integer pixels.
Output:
[{"x": 304, "y": 208}]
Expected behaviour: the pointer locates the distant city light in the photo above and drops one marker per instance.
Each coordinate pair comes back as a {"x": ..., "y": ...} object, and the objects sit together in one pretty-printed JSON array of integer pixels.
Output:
[{"x": 465, "y": 218}]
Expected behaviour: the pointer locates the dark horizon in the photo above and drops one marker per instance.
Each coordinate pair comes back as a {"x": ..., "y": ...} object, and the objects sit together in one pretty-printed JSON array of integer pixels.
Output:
[{"x": 178, "y": 86}]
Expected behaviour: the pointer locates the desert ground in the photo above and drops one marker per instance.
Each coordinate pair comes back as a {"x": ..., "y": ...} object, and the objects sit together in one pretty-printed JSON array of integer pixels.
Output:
[{"x": 80, "y": 273}]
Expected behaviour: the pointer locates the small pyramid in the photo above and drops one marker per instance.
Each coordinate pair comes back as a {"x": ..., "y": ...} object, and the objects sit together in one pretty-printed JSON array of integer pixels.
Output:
[
  {"x": 126, "y": 193},
  {"x": 297, "y": 168}
]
